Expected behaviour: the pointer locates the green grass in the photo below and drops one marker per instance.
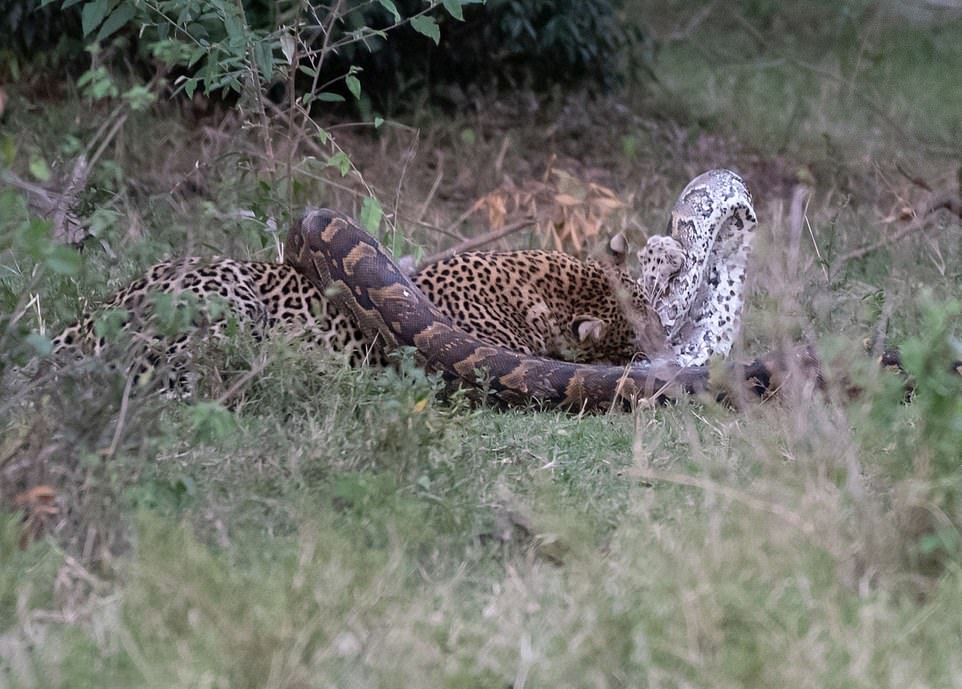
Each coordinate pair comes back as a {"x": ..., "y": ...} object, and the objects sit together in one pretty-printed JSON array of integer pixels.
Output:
[
  {"x": 335, "y": 530},
  {"x": 333, "y": 527},
  {"x": 877, "y": 87},
  {"x": 456, "y": 547}
]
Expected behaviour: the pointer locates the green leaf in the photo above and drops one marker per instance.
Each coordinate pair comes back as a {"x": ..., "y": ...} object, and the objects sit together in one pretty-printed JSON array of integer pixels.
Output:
[
  {"x": 341, "y": 162},
  {"x": 195, "y": 55},
  {"x": 39, "y": 169},
  {"x": 378, "y": 121},
  {"x": 97, "y": 83},
  {"x": 354, "y": 86},
  {"x": 454, "y": 9},
  {"x": 198, "y": 32},
  {"x": 371, "y": 214},
  {"x": 264, "y": 57},
  {"x": 427, "y": 26},
  {"x": 323, "y": 136},
  {"x": 328, "y": 97},
  {"x": 139, "y": 98},
  {"x": 390, "y": 7},
  {"x": 235, "y": 29},
  {"x": 93, "y": 13},
  {"x": 117, "y": 19}
]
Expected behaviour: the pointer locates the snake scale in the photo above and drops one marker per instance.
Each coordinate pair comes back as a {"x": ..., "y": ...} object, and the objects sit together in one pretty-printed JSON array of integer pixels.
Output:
[{"x": 695, "y": 280}]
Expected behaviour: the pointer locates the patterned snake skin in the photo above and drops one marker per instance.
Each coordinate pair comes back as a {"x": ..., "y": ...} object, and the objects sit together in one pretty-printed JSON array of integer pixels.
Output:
[{"x": 698, "y": 300}]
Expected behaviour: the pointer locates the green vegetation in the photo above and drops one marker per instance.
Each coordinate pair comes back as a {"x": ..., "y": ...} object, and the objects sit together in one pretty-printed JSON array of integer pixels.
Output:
[{"x": 302, "y": 524}]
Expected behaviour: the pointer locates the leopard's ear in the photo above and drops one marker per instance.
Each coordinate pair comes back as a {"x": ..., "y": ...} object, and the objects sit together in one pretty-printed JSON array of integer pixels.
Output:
[
  {"x": 618, "y": 249},
  {"x": 584, "y": 327}
]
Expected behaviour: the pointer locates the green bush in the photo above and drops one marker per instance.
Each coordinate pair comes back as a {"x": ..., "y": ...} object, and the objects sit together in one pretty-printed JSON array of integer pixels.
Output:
[
  {"x": 393, "y": 48},
  {"x": 504, "y": 43}
]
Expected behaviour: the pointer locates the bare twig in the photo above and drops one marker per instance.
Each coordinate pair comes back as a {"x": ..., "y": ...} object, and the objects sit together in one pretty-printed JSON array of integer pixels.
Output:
[
  {"x": 313, "y": 145},
  {"x": 691, "y": 25},
  {"x": 502, "y": 152},
  {"x": 796, "y": 219},
  {"x": 108, "y": 138},
  {"x": 797, "y": 222},
  {"x": 66, "y": 227},
  {"x": 434, "y": 228},
  {"x": 108, "y": 121},
  {"x": 914, "y": 179},
  {"x": 294, "y": 139},
  {"x": 475, "y": 242},
  {"x": 333, "y": 15},
  {"x": 452, "y": 228},
  {"x": 43, "y": 200},
  {"x": 434, "y": 188},
  {"x": 406, "y": 159},
  {"x": 818, "y": 252},
  {"x": 122, "y": 416},
  {"x": 78, "y": 180},
  {"x": 257, "y": 89},
  {"x": 259, "y": 364}
]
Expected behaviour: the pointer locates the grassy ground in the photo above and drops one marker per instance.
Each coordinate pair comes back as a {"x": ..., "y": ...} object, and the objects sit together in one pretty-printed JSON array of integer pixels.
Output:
[{"x": 332, "y": 527}]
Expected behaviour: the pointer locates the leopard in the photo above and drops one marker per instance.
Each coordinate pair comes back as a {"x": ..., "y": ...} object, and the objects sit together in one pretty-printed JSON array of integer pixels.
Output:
[{"x": 540, "y": 303}]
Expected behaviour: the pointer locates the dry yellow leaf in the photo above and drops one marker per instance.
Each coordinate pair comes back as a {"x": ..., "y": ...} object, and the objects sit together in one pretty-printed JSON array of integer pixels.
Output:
[{"x": 608, "y": 204}]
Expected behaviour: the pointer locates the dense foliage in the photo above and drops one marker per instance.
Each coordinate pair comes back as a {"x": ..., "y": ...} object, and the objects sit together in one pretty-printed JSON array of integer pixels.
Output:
[
  {"x": 433, "y": 45},
  {"x": 506, "y": 43}
]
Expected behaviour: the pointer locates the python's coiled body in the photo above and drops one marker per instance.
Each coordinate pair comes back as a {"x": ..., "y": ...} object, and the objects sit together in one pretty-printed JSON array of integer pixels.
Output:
[
  {"x": 340, "y": 258},
  {"x": 695, "y": 277},
  {"x": 333, "y": 252}
]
